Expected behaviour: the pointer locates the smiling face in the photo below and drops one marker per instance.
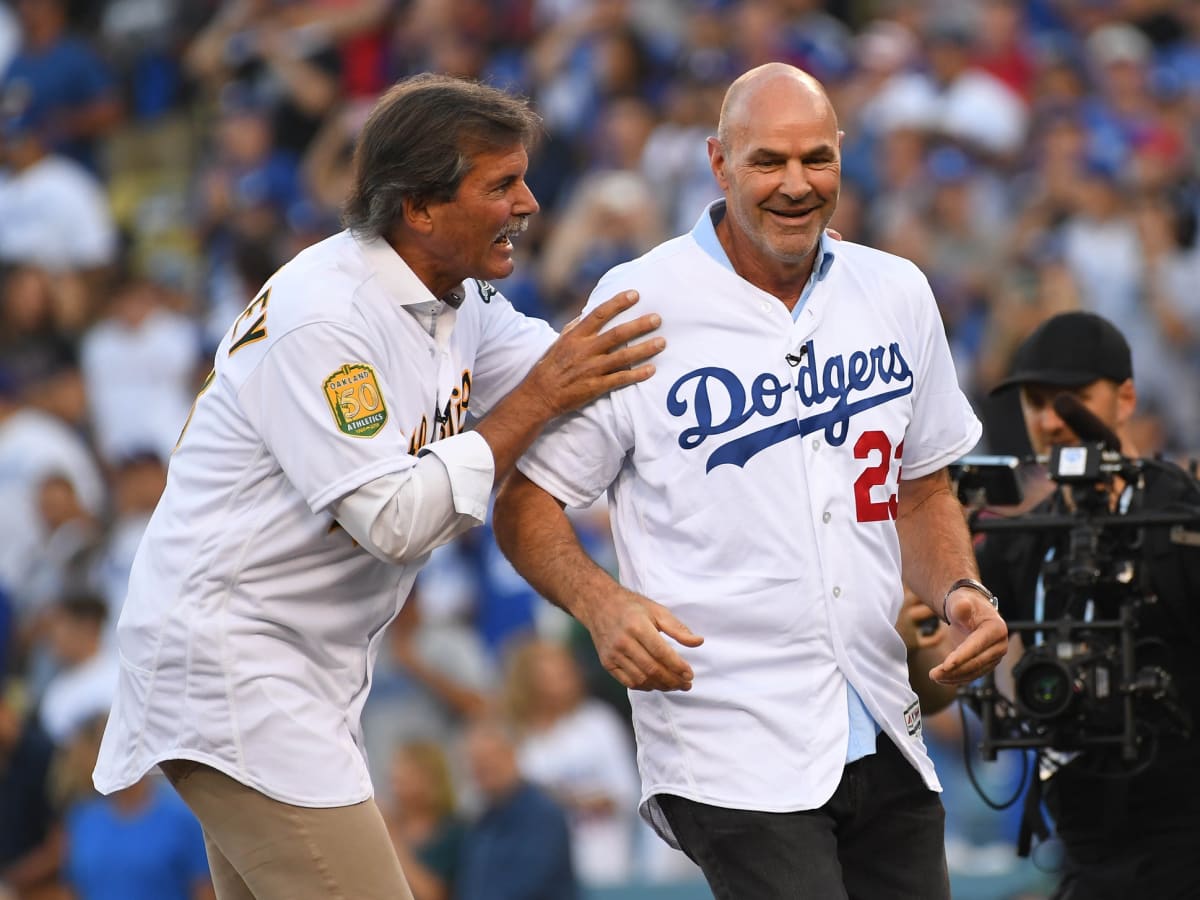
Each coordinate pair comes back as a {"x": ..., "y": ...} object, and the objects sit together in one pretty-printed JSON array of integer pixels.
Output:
[
  {"x": 778, "y": 162},
  {"x": 469, "y": 236}
]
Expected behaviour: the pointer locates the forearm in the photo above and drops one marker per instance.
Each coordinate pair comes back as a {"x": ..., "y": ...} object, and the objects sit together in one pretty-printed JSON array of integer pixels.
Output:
[
  {"x": 402, "y": 516},
  {"x": 935, "y": 547},
  {"x": 534, "y": 533},
  {"x": 311, "y": 89},
  {"x": 626, "y": 627},
  {"x": 514, "y": 424},
  {"x": 461, "y": 699},
  {"x": 935, "y": 544}
]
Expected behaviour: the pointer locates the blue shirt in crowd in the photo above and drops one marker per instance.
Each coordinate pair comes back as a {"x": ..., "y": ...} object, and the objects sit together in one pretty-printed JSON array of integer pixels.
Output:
[
  {"x": 518, "y": 850},
  {"x": 155, "y": 853}
]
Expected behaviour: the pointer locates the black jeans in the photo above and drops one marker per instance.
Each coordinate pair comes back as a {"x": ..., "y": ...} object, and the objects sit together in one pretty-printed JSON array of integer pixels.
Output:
[{"x": 881, "y": 836}]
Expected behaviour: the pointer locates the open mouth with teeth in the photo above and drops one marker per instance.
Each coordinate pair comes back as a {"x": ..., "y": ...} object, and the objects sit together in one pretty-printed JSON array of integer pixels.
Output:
[{"x": 504, "y": 238}]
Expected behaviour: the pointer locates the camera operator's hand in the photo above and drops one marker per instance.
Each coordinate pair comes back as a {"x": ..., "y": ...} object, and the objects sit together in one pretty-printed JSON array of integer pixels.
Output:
[{"x": 984, "y": 641}]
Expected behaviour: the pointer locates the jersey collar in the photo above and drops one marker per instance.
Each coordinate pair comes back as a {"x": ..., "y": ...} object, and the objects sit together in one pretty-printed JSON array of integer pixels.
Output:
[
  {"x": 397, "y": 279},
  {"x": 705, "y": 234}
]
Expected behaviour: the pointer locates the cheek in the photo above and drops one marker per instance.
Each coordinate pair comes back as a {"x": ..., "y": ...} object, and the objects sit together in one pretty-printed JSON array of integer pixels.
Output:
[{"x": 827, "y": 184}]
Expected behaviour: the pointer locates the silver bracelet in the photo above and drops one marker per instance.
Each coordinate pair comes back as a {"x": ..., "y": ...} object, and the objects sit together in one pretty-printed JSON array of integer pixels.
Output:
[{"x": 973, "y": 585}]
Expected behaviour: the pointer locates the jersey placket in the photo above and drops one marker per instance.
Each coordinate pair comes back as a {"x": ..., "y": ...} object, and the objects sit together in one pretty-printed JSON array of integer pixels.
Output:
[{"x": 448, "y": 377}]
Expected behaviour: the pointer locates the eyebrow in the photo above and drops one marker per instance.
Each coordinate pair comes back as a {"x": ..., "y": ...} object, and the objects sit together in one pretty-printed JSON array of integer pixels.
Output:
[{"x": 821, "y": 152}]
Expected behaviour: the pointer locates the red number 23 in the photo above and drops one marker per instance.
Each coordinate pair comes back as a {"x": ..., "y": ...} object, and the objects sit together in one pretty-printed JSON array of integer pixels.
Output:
[{"x": 866, "y": 509}]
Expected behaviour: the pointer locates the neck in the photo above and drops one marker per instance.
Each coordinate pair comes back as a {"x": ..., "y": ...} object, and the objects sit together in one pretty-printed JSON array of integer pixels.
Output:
[
  {"x": 424, "y": 266},
  {"x": 781, "y": 279}
]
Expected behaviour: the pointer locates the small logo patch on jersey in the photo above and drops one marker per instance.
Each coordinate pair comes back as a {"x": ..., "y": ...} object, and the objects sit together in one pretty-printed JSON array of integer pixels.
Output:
[
  {"x": 912, "y": 718},
  {"x": 486, "y": 291},
  {"x": 355, "y": 399}
]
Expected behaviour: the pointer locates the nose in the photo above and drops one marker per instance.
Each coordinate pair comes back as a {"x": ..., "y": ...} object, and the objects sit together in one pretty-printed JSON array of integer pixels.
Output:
[
  {"x": 795, "y": 179},
  {"x": 526, "y": 204},
  {"x": 1049, "y": 421}
]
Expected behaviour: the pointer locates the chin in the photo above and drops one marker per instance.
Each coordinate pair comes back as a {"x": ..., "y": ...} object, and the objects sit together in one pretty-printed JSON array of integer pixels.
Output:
[{"x": 498, "y": 270}]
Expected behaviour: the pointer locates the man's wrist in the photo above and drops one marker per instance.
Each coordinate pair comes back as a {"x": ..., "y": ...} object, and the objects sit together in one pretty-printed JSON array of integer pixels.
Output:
[{"x": 967, "y": 584}]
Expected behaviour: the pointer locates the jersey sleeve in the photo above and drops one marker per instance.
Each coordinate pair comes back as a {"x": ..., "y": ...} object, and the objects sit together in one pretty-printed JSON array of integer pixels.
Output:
[
  {"x": 510, "y": 343},
  {"x": 943, "y": 425},
  {"x": 581, "y": 453},
  {"x": 328, "y": 413}
]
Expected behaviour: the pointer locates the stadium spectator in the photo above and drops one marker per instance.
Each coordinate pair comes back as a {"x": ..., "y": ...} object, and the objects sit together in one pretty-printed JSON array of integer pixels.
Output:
[
  {"x": 423, "y": 819},
  {"x": 86, "y": 683},
  {"x": 35, "y": 443},
  {"x": 577, "y": 749},
  {"x": 141, "y": 843},
  {"x": 60, "y": 80},
  {"x": 53, "y": 211},
  {"x": 140, "y": 356},
  {"x": 519, "y": 847}
]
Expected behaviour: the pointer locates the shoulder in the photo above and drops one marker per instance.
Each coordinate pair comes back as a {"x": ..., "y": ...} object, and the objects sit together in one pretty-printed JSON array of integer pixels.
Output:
[
  {"x": 323, "y": 283},
  {"x": 657, "y": 275},
  {"x": 864, "y": 261},
  {"x": 1167, "y": 483}
]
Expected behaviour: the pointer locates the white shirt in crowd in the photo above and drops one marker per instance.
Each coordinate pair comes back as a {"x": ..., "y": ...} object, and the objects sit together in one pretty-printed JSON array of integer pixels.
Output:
[
  {"x": 55, "y": 215},
  {"x": 33, "y": 446},
  {"x": 588, "y": 753},
  {"x": 140, "y": 382}
]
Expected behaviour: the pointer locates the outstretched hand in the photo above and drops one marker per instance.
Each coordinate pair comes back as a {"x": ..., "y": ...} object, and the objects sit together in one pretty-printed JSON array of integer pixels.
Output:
[
  {"x": 585, "y": 363},
  {"x": 628, "y": 630},
  {"x": 984, "y": 644}
]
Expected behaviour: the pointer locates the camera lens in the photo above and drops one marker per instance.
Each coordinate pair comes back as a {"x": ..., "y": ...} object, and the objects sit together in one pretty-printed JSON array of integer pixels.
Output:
[{"x": 1043, "y": 689}]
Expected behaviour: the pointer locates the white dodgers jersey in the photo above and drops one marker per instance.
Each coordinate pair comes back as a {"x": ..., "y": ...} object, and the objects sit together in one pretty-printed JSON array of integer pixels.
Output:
[
  {"x": 753, "y": 486},
  {"x": 253, "y": 620}
]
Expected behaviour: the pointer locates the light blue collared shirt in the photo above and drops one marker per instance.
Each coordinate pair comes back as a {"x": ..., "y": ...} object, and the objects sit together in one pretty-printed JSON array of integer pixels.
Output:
[{"x": 863, "y": 728}]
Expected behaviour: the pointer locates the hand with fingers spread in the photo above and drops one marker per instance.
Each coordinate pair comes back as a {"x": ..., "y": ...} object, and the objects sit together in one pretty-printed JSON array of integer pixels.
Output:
[
  {"x": 587, "y": 361},
  {"x": 628, "y": 630},
  {"x": 984, "y": 644}
]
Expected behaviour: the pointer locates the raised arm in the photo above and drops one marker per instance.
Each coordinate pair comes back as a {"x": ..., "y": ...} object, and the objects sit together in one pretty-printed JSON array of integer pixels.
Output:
[
  {"x": 627, "y": 628},
  {"x": 935, "y": 548}
]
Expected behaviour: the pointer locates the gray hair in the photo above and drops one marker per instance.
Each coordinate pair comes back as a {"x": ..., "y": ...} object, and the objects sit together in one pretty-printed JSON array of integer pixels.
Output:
[{"x": 419, "y": 142}]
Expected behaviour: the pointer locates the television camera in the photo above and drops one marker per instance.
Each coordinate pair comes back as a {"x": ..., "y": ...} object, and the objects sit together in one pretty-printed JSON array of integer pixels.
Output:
[{"x": 1088, "y": 680}]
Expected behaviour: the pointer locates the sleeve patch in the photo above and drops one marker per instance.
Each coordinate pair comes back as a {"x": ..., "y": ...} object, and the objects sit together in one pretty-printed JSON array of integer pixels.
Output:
[{"x": 355, "y": 400}]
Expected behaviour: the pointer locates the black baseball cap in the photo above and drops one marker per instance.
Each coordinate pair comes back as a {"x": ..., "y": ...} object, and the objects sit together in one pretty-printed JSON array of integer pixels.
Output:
[{"x": 1070, "y": 350}]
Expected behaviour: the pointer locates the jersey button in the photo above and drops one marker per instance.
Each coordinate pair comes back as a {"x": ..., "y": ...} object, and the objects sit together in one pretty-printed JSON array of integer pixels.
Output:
[
  {"x": 825, "y": 518},
  {"x": 837, "y": 592},
  {"x": 816, "y": 444}
]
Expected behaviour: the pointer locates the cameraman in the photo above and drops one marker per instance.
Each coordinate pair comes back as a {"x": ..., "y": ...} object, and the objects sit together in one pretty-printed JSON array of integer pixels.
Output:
[{"x": 1125, "y": 835}]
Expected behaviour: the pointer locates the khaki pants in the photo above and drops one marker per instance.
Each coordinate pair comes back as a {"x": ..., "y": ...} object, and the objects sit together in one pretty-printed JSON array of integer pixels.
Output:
[{"x": 262, "y": 849}]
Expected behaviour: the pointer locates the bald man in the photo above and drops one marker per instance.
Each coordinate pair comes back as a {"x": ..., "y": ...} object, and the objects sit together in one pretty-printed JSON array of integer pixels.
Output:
[{"x": 767, "y": 485}]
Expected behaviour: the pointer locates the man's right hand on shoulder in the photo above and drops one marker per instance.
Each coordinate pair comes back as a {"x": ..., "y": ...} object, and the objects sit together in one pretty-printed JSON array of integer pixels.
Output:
[
  {"x": 584, "y": 363},
  {"x": 628, "y": 630}
]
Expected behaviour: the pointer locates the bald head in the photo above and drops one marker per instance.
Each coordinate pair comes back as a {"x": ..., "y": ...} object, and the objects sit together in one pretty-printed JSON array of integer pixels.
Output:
[
  {"x": 764, "y": 89},
  {"x": 777, "y": 159}
]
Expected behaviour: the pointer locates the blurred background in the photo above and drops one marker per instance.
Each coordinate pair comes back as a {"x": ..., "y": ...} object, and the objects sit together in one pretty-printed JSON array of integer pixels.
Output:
[{"x": 161, "y": 158}]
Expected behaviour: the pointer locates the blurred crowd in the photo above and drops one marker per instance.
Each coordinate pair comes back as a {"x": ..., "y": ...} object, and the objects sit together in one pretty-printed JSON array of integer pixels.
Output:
[{"x": 159, "y": 159}]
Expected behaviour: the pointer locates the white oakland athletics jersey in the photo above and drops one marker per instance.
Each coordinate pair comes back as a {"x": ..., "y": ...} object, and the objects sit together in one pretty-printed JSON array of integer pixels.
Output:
[
  {"x": 252, "y": 621},
  {"x": 753, "y": 487}
]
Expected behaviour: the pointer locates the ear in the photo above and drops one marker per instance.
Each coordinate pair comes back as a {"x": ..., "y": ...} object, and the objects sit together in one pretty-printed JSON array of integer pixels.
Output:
[
  {"x": 416, "y": 215},
  {"x": 716, "y": 161}
]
